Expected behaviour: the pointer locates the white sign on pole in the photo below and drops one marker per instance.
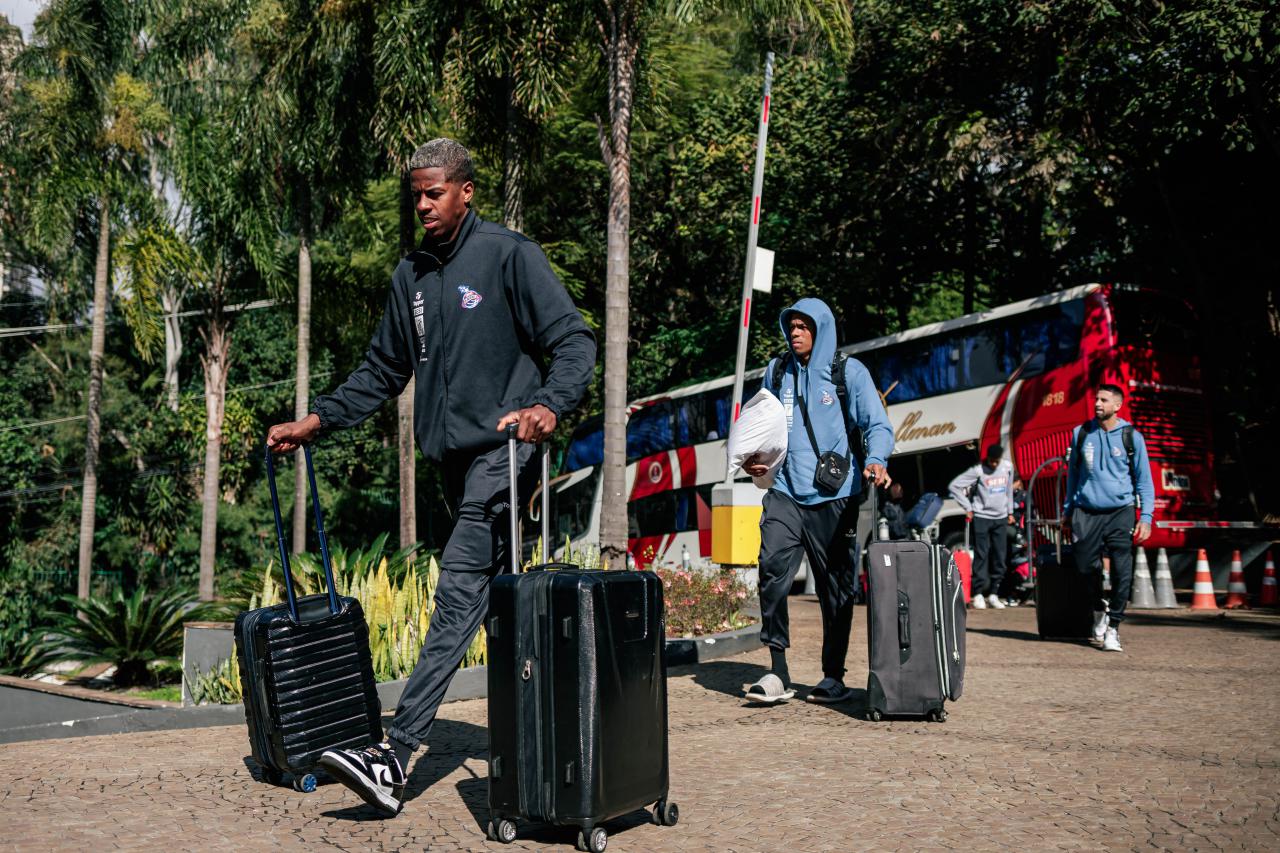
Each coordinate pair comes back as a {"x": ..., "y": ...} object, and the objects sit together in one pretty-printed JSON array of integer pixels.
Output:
[{"x": 762, "y": 280}]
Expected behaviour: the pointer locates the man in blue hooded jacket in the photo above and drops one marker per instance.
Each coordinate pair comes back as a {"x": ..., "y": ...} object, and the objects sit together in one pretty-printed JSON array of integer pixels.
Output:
[
  {"x": 806, "y": 512},
  {"x": 1108, "y": 473}
]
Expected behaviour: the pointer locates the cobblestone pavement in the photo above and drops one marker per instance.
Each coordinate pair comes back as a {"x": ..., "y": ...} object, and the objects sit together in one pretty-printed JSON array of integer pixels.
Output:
[{"x": 1173, "y": 744}]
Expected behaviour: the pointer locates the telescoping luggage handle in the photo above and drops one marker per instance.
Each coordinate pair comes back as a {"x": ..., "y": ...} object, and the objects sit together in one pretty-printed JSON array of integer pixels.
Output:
[
  {"x": 284, "y": 549},
  {"x": 514, "y": 550}
]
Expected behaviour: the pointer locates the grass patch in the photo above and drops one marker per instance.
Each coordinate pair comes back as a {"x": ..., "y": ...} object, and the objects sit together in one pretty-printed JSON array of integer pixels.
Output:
[{"x": 167, "y": 693}]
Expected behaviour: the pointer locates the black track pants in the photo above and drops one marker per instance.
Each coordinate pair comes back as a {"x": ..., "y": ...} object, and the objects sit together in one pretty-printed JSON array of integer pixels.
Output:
[
  {"x": 476, "y": 486},
  {"x": 1108, "y": 532},
  {"x": 990, "y": 547},
  {"x": 826, "y": 534}
]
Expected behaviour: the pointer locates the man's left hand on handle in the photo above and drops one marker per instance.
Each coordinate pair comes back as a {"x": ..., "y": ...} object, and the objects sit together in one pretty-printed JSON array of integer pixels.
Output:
[{"x": 536, "y": 423}]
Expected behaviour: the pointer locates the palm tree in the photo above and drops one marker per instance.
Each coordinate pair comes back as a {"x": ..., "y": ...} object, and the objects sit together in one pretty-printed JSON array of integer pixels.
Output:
[
  {"x": 405, "y": 74},
  {"x": 310, "y": 110},
  {"x": 502, "y": 76},
  {"x": 224, "y": 237},
  {"x": 89, "y": 123},
  {"x": 621, "y": 26}
]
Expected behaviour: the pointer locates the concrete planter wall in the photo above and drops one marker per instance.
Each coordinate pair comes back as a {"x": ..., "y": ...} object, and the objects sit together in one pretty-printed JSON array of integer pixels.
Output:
[{"x": 205, "y": 645}]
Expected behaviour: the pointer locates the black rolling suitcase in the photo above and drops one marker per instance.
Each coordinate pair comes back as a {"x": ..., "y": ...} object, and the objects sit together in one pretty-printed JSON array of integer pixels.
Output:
[
  {"x": 915, "y": 629},
  {"x": 577, "y": 695},
  {"x": 1063, "y": 608},
  {"x": 305, "y": 668}
]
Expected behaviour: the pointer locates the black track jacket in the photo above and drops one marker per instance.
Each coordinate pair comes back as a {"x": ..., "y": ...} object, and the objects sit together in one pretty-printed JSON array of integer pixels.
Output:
[{"x": 486, "y": 330}]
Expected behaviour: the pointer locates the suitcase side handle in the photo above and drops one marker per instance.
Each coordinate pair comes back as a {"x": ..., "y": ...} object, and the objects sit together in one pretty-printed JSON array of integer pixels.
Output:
[{"x": 318, "y": 514}]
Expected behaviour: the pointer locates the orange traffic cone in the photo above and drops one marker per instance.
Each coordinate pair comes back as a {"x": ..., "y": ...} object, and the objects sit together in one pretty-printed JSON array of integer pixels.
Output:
[
  {"x": 1237, "y": 592},
  {"x": 1202, "y": 597},
  {"x": 1270, "y": 596}
]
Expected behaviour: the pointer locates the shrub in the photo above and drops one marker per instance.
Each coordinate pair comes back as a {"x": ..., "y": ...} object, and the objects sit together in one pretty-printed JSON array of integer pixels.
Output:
[
  {"x": 27, "y": 604},
  {"x": 702, "y": 602},
  {"x": 398, "y": 612},
  {"x": 131, "y": 632},
  {"x": 218, "y": 686}
]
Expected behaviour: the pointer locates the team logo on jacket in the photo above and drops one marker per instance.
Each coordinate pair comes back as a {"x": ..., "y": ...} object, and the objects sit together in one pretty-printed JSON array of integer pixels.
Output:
[
  {"x": 827, "y": 399},
  {"x": 470, "y": 299}
]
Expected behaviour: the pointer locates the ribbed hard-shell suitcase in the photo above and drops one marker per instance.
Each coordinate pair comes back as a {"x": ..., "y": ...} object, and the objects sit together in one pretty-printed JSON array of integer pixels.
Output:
[
  {"x": 577, "y": 696},
  {"x": 305, "y": 668},
  {"x": 915, "y": 629}
]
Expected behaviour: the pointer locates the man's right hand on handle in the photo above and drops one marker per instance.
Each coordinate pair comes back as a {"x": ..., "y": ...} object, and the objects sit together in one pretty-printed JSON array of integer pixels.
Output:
[{"x": 288, "y": 437}]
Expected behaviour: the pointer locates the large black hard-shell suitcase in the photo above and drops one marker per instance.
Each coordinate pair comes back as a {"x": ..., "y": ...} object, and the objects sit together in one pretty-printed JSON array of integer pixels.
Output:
[
  {"x": 915, "y": 629},
  {"x": 577, "y": 697},
  {"x": 1063, "y": 608},
  {"x": 305, "y": 668}
]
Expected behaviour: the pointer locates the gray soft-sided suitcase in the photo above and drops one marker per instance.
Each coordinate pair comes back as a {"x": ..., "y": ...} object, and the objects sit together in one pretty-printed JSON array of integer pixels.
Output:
[
  {"x": 305, "y": 668},
  {"x": 915, "y": 629},
  {"x": 577, "y": 695}
]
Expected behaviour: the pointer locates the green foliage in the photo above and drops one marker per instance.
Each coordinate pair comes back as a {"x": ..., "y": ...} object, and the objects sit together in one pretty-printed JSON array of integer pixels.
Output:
[
  {"x": 398, "y": 609},
  {"x": 131, "y": 632},
  {"x": 219, "y": 686}
]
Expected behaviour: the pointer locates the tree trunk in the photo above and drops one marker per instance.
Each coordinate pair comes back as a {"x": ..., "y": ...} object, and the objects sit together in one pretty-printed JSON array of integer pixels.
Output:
[
  {"x": 970, "y": 249},
  {"x": 513, "y": 166},
  {"x": 404, "y": 406},
  {"x": 97, "y": 344},
  {"x": 620, "y": 50},
  {"x": 217, "y": 340},
  {"x": 171, "y": 302},
  {"x": 302, "y": 386}
]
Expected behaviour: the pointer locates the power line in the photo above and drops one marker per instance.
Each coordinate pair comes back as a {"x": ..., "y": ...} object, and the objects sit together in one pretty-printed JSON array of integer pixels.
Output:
[
  {"x": 21, "y": 331},
  {"x": 34, "y": 424},
  {"x": 189, "y": 394}
]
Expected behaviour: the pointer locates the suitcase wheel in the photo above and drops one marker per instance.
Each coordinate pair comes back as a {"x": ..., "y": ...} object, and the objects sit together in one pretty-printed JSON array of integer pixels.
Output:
[
  {"x": 595, "y": 841},
  {"x": 306, "y": 783},
  {"x": 666, "y": 813},
  {"x": 938, "y": 715},
  {"x": 874, "y": 715},
  {"x": 501, "y": 830}
]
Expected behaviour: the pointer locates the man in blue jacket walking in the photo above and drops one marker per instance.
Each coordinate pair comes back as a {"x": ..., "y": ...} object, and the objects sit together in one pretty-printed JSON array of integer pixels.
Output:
[
  {"x": 1108, "y": 473},
  {"x": 811, "y": 509}
]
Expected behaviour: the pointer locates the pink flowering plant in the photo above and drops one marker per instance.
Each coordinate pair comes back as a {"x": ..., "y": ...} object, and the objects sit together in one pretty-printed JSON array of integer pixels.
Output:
[{"x": 701, "y": 602}]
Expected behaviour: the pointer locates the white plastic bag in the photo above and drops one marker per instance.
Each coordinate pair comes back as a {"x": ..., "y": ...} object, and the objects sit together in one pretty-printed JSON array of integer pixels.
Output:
[{"x": 761, "y": 430}]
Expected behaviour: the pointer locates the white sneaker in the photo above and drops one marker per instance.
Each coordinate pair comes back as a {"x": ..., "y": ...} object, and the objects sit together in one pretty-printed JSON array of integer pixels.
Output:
[
  {"x": 1099, "y": 627},
  {"x": 978, "y": 603},
  {"x": 994, "y": 601},
  {"x": 1111, "y": 642}
]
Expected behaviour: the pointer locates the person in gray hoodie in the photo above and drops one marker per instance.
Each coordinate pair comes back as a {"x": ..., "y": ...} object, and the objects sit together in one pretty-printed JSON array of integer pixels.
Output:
[
  {"x": 810, "y": 513},
  {"x": 985, "y": 493}
]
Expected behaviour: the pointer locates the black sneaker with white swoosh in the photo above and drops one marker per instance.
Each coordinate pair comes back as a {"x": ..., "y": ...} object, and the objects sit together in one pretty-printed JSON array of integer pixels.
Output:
[{"x": 373, "y": 772}]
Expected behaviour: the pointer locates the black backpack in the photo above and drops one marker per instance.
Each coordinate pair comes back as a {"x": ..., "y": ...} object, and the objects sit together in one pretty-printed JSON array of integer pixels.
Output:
[{"x": 852, "y": 430}]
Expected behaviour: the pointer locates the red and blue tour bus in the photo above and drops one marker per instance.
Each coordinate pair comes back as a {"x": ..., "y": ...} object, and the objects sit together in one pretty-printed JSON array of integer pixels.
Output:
[{"x": 1021, "y": 375}]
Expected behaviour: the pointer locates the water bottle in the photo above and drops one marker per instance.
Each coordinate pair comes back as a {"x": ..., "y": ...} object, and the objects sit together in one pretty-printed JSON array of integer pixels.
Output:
[
  {"x": 884, "y": 528},
  {"x": 684, "y": 557}
]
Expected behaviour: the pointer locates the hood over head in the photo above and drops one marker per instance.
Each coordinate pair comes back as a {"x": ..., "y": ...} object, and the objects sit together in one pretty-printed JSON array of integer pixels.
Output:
[{"x": 824, "y": 338}]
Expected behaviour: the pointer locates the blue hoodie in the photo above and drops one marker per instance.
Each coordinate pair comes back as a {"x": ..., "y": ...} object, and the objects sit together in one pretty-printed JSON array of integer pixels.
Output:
[
  {"x": 795, "y": 477},
  {"x": 1100, "y": 479}
]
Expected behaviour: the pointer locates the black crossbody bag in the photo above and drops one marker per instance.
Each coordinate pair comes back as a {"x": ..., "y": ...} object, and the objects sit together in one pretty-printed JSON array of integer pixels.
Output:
[{"x": 833, "y": 469}]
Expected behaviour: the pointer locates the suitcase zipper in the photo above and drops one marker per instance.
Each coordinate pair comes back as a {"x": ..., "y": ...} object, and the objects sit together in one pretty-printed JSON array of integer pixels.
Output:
[{"x": 944, "y": 672}]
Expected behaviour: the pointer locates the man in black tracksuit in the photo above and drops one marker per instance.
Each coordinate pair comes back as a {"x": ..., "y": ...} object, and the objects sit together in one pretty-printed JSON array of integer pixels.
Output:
[{"x": 477, "y": 316}]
